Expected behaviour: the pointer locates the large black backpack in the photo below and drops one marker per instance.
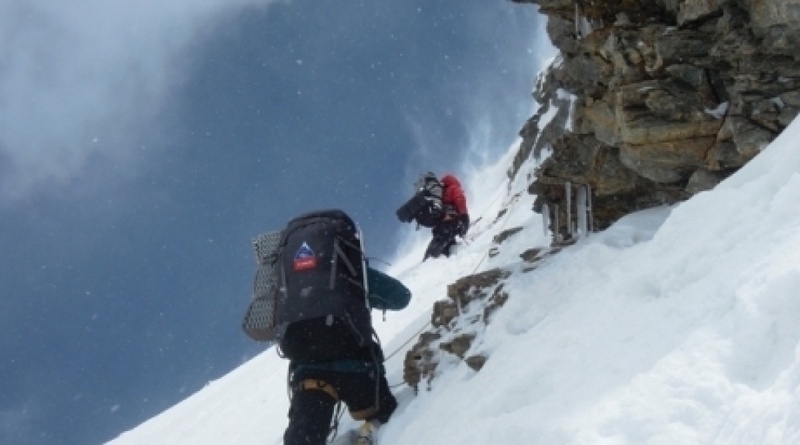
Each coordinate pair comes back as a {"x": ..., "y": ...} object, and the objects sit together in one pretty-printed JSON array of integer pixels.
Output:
[
  {"x": 425, "y": 207},
  {"x": 319, "y": 309}
]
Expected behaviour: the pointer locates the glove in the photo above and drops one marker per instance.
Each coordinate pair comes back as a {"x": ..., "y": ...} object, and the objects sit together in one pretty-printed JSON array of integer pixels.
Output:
[{"x": 463, "y": 225}]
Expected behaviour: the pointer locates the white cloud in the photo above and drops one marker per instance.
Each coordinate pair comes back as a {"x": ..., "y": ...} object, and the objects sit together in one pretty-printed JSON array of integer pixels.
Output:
[
  {"x": 18, "y": 422},
  {"x": 79, "y": 79}
]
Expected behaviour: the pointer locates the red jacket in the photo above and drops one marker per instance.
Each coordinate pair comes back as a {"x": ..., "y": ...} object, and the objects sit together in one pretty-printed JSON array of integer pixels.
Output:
[{"x": 453, "y": 195}]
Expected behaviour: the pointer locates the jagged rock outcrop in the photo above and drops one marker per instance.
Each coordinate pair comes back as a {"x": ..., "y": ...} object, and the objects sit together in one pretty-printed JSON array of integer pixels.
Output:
[
  {"x": 651, "y": 102},
  {"x": 455, "y": 323},
  {"x": 458, "y": 320}
]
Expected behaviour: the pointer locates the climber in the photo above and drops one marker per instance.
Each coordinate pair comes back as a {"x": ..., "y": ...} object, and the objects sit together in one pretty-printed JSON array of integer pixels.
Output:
[
  {"x": 455, "y": 221},
  {"x": 441, "y": 206},
  {"x": 321, "y": 322}
]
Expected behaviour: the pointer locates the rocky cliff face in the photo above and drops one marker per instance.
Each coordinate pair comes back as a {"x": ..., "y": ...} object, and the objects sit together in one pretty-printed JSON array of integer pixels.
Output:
[
  {"x": 652, "y": 101},
  {"x": 648, "y": 103}
]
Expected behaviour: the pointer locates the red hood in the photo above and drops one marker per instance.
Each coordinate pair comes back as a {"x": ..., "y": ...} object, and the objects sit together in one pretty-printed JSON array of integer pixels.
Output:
[{"x": 450, "y": 181}]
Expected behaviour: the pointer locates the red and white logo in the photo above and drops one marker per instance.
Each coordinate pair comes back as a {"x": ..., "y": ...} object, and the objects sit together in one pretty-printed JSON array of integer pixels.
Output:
[{"x": 305, "y": 258}]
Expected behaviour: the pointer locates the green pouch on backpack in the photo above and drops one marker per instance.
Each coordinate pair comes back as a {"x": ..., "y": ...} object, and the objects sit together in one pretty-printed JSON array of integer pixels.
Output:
[{"x": 386, "y": 293}]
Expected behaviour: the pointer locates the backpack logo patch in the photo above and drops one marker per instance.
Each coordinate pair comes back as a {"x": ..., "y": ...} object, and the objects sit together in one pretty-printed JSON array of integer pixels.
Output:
[{"x": 305, "y": 258}]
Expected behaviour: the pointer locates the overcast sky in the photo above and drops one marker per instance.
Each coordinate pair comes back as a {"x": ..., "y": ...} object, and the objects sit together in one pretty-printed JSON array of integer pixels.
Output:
[{"x": 144, "y": 144}]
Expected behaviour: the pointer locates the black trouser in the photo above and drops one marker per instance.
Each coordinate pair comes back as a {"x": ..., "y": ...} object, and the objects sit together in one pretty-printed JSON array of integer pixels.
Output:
[
  {"x": 314, "y": 396},
  {"x": 444, "y": 236}
]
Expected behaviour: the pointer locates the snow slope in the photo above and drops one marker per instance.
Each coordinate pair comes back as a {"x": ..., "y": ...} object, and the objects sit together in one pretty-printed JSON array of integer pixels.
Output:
[{"x": 675, "y": 326}]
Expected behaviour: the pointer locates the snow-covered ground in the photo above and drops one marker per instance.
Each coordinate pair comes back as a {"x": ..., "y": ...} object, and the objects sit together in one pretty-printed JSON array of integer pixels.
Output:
[{"x": 678, "y": 325}]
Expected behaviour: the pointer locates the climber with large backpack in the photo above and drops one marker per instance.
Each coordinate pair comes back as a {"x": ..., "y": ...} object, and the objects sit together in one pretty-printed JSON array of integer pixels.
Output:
[
  {"x": 312, "y": 298},
  {"x": 441, "y": 206},
  {"x": 425, "y": 207}
]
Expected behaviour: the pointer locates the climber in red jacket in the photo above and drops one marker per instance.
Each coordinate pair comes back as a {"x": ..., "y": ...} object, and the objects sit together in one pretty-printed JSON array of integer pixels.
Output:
[{"x": 455, "y": 221}]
